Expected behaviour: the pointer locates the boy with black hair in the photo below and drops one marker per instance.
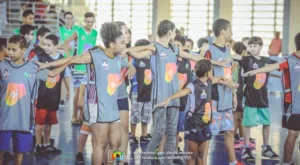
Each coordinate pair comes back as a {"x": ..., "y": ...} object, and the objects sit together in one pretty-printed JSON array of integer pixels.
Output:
[
  {"x": 27, "y": 19},
  {"x": 198, "y": 113},
  {"x": 28, "y": 32},
  {"x": 256, "y": 110},
  {"x": 291, "y": 80},
  {"x": 86, "y": 38},
  {"x": 222, "y": 96},
  {"x": 202, "y": 44},
  {"x": 48, "y": 98},
  {"x": 189, "y": 44},
  {"x": 141, "y": 106},
  {"x": 3, "y": 45},
  {"x": 18, "y": 81},
  {"x": 38, "y": 49}
]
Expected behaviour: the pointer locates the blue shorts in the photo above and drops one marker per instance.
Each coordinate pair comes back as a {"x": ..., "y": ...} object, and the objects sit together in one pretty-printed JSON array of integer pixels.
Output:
[
  {"x": 123, "y": 104},
  {"x": 22, "y": 141},
  {"x": 77, "y": 78},
  {"x": 181, "y": 117}
]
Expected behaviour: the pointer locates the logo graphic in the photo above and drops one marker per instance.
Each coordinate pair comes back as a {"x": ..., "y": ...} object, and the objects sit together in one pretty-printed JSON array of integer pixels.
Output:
[
  {"x": 148, "y": 76},
  {"x": 220, "y": 59},
  {"x": 182, "y": 78},
  {"x": 255, "y": 66},
  {"x": 142, "y": 64},
  {"x": 113, "y": 83},
  {"x": 86, "y": 47},
  {"x": 227, "y": 73},
  {"x": 5, "y": 74},
  {"x": 207, "y": 113},
  {"x": 171, "y": 69},
  {"x": 297, "y": 67},
  {"x": 51, "y": 81},
  {"x": 260, "y": 80},
  {"x": 117, "y": 155},
  {"x": 163, "y": 54},
  {"x": 14, "y": 93},
  {"x": 105, "y": 66},
  {"x": 27, "y": 75},
  {"x": 83, "y": 38},
  {"x": 203, "y": 95}
]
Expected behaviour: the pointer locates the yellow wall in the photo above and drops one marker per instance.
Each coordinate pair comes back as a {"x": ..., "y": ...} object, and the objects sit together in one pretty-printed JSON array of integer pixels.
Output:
[{"x": 226, "y": 9}]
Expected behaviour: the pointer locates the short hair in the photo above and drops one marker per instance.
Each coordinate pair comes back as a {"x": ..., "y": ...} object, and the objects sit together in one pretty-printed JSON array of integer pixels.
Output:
[
  {"x": 53, "y": 38},
  {"x": 42, "y": 31},
  {"x": 219, "y": 25},
  {"x": 177, "y": 32},
  {"x": 245, "y": 39},
  {"x": 164, "y": 27},
  {"x": 109, "y": 33},
  {"x": 201, "y": 41},
  {"x": 3, "y": 43},
  {"x": 239, "y": 47},
  {"x": 181, "y": 39},
  {"x": 68, "y": 13},
  {"x": 202, "y": 67},
  {"x": 119, "y": 24},
  {"x": 297, "y": 41},
  {"x": 26, "y": 29},
  {"x": 142, "y": 42},
  {"x": 256, "y": 40},
  {"x": 190, "y": 40},
  {"x": 18, "y": 39},
  {"x": 27, "y": 13},
  {"x": 89, "y": 14}
]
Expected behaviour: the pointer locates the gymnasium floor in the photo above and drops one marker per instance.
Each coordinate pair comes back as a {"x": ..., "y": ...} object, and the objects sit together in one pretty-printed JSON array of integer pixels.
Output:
[{"x": 66, "y": 137}]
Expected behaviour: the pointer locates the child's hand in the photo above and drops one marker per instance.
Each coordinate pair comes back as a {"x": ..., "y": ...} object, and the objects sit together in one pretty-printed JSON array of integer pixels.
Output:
[
  {"x": 67, "y": 95},
  {"x": 40, "y": 64},
  {"x": 164, "y": 104},
  {"x": 230, "y": 84},
  {"x": 250, "y": 73},
  {"x": 234, "y": 102},
  {"x": 131, "y": 72}
]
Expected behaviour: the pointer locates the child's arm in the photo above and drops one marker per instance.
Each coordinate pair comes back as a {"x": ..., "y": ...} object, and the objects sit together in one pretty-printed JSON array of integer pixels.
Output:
[
  {"x": 196, "y": 58},
  {"x": 229, "y": 83},
  {"x": 149, "y": 47},
  {"x": 67, "y": 42},
  {"x": 140, "y": 55},
  {"x": 83, "y": 59},
  {"x": 177, "y": 95},
  {"x": 234, "y": 67},
  {"x": 265, "y": 69},
  {"x": 236, "y": 57}
]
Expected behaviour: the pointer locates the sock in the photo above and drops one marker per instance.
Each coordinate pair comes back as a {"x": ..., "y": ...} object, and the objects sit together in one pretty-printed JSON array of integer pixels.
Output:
[
  {"x": 233, "y": 163},
  {"x": 241, "y": 138},
  {"x": 287, "y": 163},
  {"x": 246, "y": 145},
  {"x": 38, "y": 145},
  {"x": 264, "y": 147},
  {"x": 46, "y": 144}
]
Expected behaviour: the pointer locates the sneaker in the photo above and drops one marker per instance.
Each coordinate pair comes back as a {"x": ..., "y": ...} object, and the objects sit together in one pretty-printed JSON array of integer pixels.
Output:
[
  {"x": 39, "y": 150},
  {"x": 252, "y": 146},
  {"x": 236, "y": 138},
  {"x": 145, "y": 139},
  {"x": 252, "y": 140},
  {"x": 247, "y": 155},
  {"x": 179, "y": 150},
  {"x": 149, "y": 135},
  {"x": 52, "y": 150},
  {"x": 62, "y": 102},
  {"x": 177, "y": 161},
  {"x": 240, "y": 163},
  {"x": 133, "y": 140},
  {"x": 268, "y": 152},
  {"x": 79, "y": 158},
  {"x": 52, "y": 141}
]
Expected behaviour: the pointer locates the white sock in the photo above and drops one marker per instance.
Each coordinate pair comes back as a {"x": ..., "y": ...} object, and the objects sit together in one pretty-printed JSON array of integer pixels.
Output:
[
  {"x": 233, "y": 163},
  {"x": 46, "y": 144},
  {"x": 241, "y": 138},
  {"x": 287, "y": 163},
  {"x": 38, "y": 145}
]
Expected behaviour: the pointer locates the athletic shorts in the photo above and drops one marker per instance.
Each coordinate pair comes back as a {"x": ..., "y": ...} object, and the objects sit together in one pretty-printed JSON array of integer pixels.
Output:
[
  {"x": 22, "y": 141},
  {"x": 256, "y": 116},
  {"x": 93, "y": 112},
  {"x": 43, "y": 116},
  {"x": 86, "y": 129},
  {"x": 221, "y": 120},
  {"x": 77, "y": 78},
  {"x": 191, "y": 133},
  {"x": 181, "y": 118},
  {"x": 140, "y": 111},
  {"x": 123, "y": 104},
  {"x": 292, "y": 122}
]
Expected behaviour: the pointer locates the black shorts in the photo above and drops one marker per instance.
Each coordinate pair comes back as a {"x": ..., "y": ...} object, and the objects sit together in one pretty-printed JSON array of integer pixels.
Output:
[
  {"x": 123, "y": 104},
  {"x": 292, "y": 122}
]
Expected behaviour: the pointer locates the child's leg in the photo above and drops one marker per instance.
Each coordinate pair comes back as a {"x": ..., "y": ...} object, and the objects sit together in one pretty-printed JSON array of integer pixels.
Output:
[
  {"x": 266, "y": 134},
  {"x": 247, "y": 136},
  {"x": 40, "y": 118},
  {"x": 133, "y": 129},
  {"x": 47, "y": 132},
  {"x": 289, "y": 146},
  {"x": 206, "y": 152},
  {"x": 100, "y": 132},
  {"x": 146, "y": 117},
  {"x": 84, "y": 133},
  {"x": 135, "y": 115},
  {"x": 193, "y": 148},
  {"x": 240, "y": 126},
  {"x": 236, "y": 122},
  {"x": 201, "y": 153},
  {"x": 161, "y": 146},
  {"x": 114, "y": 136},
  {"x": 18, "y": 158},
  {"x": 75, "y": 108},
  {"x": 38, "y": 134},
  {"x": 144, "y": 129}
]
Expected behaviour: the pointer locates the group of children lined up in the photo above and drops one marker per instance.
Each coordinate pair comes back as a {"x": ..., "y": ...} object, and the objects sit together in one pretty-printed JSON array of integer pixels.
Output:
[{"x": 198, "y": 100}]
